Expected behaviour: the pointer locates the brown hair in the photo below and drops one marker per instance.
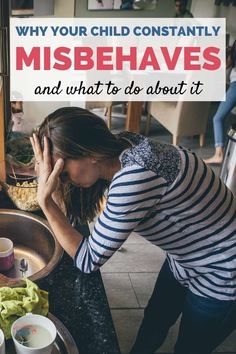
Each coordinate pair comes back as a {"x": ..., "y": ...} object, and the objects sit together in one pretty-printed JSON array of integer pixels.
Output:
[{"x": 75, "y": 133}]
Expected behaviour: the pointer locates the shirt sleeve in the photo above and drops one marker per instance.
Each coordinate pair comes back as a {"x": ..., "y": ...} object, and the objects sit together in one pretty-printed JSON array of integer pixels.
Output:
[{"x": 132, "y": 194}]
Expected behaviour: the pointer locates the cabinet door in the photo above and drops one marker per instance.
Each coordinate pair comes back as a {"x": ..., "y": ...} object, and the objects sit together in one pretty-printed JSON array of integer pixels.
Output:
[
  {"x": 4, "y": 80},
  {"x": 2, "y": 135}
]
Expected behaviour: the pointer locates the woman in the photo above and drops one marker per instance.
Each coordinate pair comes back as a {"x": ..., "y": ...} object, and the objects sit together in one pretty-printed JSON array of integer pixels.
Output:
[
  {"x": 181, "y": 9},
  {"x": 224, "y": 109},
  {"x": 162, "y": 192}
]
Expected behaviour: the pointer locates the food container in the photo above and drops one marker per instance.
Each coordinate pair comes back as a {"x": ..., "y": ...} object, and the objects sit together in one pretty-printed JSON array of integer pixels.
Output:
[
  {"x": 23, "y": 193},
  {"x": 64, "y": 343}
]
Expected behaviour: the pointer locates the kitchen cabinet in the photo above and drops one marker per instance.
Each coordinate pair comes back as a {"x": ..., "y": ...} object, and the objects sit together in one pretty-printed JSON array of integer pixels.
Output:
[
  {"x": 2, "y": 139},
  {"x": 4, "y": 80}
]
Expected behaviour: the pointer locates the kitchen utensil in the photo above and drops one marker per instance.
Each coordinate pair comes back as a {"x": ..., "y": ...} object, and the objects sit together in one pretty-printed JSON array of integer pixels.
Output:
[
  {"x": 33, "y": 334},
  {"x": 33, "y": 241},
  {"x": 23, "y": 266},
  {"x": 2, "y": 343},
  {"x": 64, "y": 343},
  {"x": 6, "y": 254}
]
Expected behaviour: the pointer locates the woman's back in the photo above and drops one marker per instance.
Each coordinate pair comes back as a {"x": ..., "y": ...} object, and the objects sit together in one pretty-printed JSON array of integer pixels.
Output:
[{"x": 169, "y": 196}]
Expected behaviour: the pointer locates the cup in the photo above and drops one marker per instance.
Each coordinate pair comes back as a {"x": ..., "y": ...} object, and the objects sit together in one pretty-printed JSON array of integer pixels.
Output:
[
  {"x": 33, "y": 334},
  {"x": 2, "y": 343},
  {"x": 6, "y": 254}
]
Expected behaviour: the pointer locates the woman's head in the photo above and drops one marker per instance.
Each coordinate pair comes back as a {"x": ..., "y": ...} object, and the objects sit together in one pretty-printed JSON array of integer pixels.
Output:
[
  {"x": 87, "y": 146},
  {"x": 76, "y": 134}
]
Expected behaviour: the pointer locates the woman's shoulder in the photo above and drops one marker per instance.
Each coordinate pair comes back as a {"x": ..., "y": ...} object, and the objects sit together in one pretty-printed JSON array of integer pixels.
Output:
[{"x": 160, "y": 158}]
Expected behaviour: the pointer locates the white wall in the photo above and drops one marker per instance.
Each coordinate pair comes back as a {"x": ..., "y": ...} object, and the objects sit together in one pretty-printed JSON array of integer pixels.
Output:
[
  {"x": 64, "y": 8},
  {"x": 43, "y": 7},
  {"x": 35, "y": 112},
  {"x": 207, "y": 8}
]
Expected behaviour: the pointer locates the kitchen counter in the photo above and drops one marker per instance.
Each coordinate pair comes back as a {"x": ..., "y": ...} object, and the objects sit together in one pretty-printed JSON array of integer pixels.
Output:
[{"x": 79, "y": 301}]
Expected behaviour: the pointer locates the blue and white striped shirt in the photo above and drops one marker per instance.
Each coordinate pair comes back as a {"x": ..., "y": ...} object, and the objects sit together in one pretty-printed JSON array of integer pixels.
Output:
[{"x": 169, "y": 196}]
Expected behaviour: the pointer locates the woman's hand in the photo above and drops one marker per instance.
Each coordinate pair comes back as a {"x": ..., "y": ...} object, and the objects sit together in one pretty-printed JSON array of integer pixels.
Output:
[{"x": 47, "y": 175}]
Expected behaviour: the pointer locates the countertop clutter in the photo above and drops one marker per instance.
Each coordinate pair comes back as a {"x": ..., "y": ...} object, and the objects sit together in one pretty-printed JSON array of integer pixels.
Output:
[{"x": 79, "y": 301}]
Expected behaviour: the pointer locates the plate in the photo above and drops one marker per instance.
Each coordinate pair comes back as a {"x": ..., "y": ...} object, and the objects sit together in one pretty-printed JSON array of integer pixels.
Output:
[{"x": 64, "y": 343}]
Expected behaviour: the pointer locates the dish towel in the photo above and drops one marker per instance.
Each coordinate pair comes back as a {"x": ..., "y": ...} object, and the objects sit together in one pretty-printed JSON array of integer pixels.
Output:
[{"x": 16, "y": 302}]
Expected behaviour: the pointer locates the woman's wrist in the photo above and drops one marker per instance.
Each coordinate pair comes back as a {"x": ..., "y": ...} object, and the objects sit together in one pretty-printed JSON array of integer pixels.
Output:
[{"x": 47, "y": 204}]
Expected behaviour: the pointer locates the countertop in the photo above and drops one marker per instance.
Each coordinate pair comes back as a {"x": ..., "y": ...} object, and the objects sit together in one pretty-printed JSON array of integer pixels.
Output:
[{"x": 79, "y": 301}]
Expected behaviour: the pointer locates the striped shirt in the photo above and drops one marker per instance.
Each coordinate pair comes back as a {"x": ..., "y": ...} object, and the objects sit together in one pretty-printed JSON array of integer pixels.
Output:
[{"x": 169, "y": 196}]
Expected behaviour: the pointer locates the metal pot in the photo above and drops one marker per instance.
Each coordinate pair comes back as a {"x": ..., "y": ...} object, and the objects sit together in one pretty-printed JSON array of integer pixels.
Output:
[{"x": 37, "y": 252}]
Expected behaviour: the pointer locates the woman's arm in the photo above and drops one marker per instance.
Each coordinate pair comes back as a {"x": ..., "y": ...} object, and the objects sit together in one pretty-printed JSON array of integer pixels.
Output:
[
  {"x": 66, "y": 235},
  {"x": 133, "y": 193}
]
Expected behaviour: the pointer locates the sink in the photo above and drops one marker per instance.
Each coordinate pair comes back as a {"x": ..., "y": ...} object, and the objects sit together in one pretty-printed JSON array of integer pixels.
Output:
[{"x": 34, "y": 245}]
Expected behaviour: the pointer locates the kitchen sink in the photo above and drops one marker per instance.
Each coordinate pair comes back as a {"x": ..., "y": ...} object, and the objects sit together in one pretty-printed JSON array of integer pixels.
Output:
[{"x": 36, "y": 250}]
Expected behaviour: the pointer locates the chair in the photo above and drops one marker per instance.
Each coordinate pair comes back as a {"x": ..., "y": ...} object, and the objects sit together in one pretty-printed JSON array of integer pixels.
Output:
[
  {"x": 108, "y": 108},
  {"x": 182, "y": 118}
]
